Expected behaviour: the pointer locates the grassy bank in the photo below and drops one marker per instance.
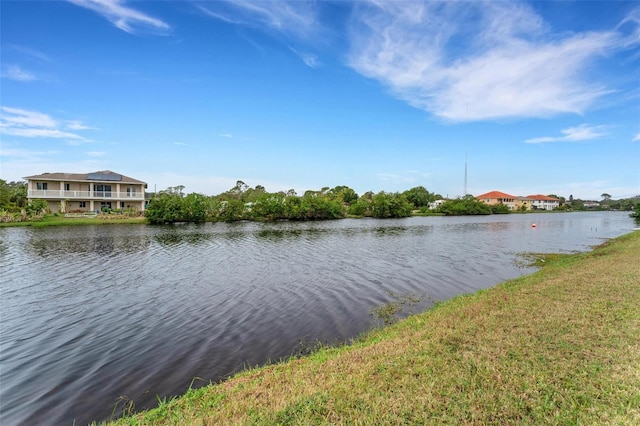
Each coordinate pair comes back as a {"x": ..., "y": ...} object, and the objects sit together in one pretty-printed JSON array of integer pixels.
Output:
[
  {"x": 53, "y": 220},
  {"x": 561, "y": 346}
]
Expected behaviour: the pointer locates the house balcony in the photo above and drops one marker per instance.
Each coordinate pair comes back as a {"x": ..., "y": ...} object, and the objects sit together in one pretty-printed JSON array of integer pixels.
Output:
[{"x": 84, "y": 195}]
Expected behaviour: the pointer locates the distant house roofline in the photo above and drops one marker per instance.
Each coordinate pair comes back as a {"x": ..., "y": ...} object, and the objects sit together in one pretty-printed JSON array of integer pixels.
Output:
[
  {"x": 495, "y": 194},
  {"x": 503, "y": 195},
  {"x": 99, "y": 176},
  {"x": 540, "y": 197}
]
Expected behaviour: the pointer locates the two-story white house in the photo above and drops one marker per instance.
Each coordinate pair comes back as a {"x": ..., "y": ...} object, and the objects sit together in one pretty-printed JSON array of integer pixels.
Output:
[
  {"x": 543, "y": 202},
  {"x": 90, "y": 192}
]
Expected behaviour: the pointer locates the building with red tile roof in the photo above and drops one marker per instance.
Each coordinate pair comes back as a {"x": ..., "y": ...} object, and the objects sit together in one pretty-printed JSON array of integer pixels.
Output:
[
  {"x": 514, "y": 202},
  {"x": 496, "y": 197}
]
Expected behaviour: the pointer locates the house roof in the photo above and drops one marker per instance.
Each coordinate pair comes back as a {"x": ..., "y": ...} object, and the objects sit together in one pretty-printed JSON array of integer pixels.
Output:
[
  {"x": 99, "y": 176},
  {"x": 540, "y": 197},
  {"x": 495, "y": 194}
]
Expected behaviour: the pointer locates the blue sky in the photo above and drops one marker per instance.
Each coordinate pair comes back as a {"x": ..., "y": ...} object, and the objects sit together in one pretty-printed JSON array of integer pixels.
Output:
[{"x": 539, "y": 97}]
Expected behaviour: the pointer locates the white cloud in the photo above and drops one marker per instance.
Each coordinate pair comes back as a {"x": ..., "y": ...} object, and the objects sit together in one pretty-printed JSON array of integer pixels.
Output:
[
  {"x": 464, "y": 61},
  {"x": 14, "y": 72},
  {"x": 296, "y": 18},
  {"x": 41, "y": 133},
  {"x": 582, "y": 132},
  {"x": 226, "y": 135},
  {"x": 32, "y": 53},
  {"x": 77, "y": 125},
  {"x": 636, "y": 138},
  {"x": 32, "y": 124},
  {"x": 123, "y": 17},
  {"x": 19, "y": 117},
  {"x": 310, "y": 59}
]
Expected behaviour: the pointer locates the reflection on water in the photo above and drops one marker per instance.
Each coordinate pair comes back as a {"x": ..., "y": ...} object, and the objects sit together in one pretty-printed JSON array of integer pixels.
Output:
[
  {"x": 61, "y": 241},
  {"x": 172, "y": 236},
  {"x": 92, "y": 314}
]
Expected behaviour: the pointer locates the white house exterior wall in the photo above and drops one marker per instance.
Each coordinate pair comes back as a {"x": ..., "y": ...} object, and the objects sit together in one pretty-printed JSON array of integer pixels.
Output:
[
  {"x": 63, "y": 195},
  {"x": 545, "y": 204}
]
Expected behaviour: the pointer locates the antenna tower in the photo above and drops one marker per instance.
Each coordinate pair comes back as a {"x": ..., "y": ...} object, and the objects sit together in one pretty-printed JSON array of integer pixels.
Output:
[{"x": 465, "y": 175}]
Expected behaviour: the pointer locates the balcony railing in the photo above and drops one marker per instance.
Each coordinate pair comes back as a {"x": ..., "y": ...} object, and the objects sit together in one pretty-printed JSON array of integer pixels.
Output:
[{"x": 84, "y": 195}]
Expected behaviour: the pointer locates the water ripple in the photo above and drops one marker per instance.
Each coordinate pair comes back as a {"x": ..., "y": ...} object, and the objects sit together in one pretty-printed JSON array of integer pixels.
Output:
[{"x": 94, "y": 314}]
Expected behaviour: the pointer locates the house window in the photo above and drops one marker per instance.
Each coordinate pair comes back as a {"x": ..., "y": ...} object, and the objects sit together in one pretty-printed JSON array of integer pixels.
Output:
[
  {"x": 82, "y": 204},
  {"x": 67, "y": 187},
  {"x": 122, "y": 204},
  {"x": 41, "y": 186},
  {"x": 102, "y": 190}
]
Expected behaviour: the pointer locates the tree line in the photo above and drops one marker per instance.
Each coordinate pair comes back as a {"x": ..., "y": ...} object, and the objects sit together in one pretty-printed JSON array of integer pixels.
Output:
[{"x": 245, "y": 203}]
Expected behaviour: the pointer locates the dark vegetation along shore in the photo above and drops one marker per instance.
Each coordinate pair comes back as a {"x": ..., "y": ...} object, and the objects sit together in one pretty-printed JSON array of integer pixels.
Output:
[
  {"x": 245, "y": 203},
  {"x": 560, "y": 346}
]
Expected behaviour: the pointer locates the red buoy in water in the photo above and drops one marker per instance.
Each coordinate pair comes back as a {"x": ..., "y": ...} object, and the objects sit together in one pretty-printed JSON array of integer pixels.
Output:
[{"x": 533, "y": 226}]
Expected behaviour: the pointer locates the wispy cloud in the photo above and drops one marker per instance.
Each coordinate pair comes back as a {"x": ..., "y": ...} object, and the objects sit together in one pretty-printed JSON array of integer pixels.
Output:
[
  {"x": 579, "y": 133},
  {"x": 636, "y": 138},
  {"x": 296, "y": 18},
  {"x": 181, "y": 144},
  {"x": 16, "y": 73},
  {"x": 310, "y": 59},
  {"x": 77, "y": 125},
  {"x": 32, "y": 124},
  {"x": 32, "y": 53},
  {"x": 226, "y": 135},
  {"x": 123, "y": 17},
  {"x": 464, "y": 61},
  {"x": 96, "y": 153}
]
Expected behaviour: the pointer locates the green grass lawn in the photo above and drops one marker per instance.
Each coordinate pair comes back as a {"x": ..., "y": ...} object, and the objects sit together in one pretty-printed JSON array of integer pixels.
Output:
[
  {"x": 60, "y": 220},
  {"x": 560, "y": 346}
]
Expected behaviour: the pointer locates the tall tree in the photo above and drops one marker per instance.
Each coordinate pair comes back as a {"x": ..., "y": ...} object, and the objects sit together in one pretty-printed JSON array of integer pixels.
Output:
[
  {"x": 13, "y": 195},
  {"x": 418, "y": 196}
]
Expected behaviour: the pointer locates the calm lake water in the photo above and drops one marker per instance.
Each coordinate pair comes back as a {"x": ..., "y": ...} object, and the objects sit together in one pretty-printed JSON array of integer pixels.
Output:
[{"x": 94, "y": 315}]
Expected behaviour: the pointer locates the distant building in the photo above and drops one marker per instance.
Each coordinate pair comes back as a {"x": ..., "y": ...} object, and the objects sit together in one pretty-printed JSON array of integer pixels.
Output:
[
  {"x": 89, "y": 192},
  {"x": 591, "y": 204},
  {"x": 437, "y": 203},
  {"x": 496, "y": 197},
  {"x": 513, "y": 202},
  {"x": 543, "y": 202}
]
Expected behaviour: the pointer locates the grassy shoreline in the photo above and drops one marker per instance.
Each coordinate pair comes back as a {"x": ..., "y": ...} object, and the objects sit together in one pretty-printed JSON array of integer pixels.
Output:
[
  {"x": 560, "y": 346},
  {"x": 52, "y": 220}
]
